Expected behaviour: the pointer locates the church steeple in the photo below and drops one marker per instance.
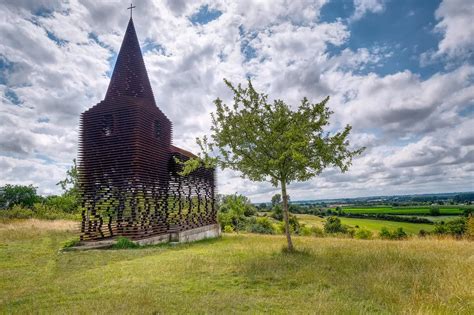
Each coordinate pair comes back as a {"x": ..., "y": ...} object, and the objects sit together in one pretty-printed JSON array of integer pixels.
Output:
[{"x": 130, "y": 77}]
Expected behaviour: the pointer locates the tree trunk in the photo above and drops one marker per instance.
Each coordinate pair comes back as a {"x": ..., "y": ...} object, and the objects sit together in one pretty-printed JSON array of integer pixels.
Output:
[{"x": 286, "y": 216}]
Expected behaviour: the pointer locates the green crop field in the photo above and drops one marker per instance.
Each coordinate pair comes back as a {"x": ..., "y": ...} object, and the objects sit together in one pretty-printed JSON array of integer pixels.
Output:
[
  {"x": 244, "y": 273},
  {"x": 369, "y": 224},
  {"x": 402, "y": 210}
]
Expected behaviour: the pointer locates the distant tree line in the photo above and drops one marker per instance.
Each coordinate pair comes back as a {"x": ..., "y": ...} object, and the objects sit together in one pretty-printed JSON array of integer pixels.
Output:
[{"x": 23, "y": 201}]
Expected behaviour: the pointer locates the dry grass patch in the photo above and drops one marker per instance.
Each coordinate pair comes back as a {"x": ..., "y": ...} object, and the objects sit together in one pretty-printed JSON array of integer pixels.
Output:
[{"x": 43, "y": 225}]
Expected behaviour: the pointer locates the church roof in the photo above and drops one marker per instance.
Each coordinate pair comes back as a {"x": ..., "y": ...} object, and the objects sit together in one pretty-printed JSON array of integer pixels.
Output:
[
  {"x": 130, "y": 77},
  {"x": 188, "y": 154}
]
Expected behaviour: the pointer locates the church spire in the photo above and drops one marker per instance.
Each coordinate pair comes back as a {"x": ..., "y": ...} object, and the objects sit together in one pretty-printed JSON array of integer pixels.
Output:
[{"x": 130, "y": 77}]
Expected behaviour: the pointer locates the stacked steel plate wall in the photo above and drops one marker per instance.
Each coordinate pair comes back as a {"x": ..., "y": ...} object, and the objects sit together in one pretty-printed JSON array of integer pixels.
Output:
[{"x": 128, "y": 176}]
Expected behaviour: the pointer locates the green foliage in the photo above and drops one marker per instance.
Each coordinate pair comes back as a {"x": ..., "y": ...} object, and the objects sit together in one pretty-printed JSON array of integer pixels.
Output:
[
  {"x": 333, "y": 225},
  {"x": 434, "y": 210},
  {"x": 124, "y": 243},
  {"x": 228, "y": 229},
  {"x": 468, "y": 211},
  {"x": 250, "y": 211},
  {"x": 317, "y": 231},
  {"x": 294, "y": 224},
  {"x": 269, "y": 141},
  {"x": 238, "y": 204},
  {"x": 455, "y": 227},
  {"x": 234, "y": 211},
  {"x": 67, "y": 203},
  {"x": 422, "y": 233},
  {"x": 409, "y": 210},
  {"x": 363, "y": 234},
  {"x": 70, "y": 185},
  {"x": 260, "y": 225},
  {"x": 71, "y": 243},
  {"x": 397, "y": 234},
  {"x": 39, "y": 211},
  {"x": 464, "y": 197},
  {"x": 276, "y": 200},
  {"x": 277, "y": 213},
  {"x": 44, "y": 211},
  {"x": 388, "y": 217},
  {"x": 24, "y": 196},
  {"x": 17, "y": 212},
  {"x": 305, "y": 231},
  {"x": 263, "y": 207}
]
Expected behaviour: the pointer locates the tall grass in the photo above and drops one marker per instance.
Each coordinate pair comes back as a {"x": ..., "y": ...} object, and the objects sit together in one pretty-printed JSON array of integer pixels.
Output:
[{"x": 243, "y": 273}]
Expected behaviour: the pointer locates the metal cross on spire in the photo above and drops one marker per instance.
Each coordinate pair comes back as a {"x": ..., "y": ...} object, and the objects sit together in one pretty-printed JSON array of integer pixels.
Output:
[{"x": 131, "y": 7}]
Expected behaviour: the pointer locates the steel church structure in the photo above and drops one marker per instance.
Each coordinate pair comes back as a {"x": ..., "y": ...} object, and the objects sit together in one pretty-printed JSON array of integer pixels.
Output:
[{"x": 128, "y": 176}]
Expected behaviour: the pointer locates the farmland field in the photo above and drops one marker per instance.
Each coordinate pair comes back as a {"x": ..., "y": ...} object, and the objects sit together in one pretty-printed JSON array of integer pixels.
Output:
[
  {"x": 369, "y": 224},
  {"x": 238, "y": 273},
  {"x": 455, "y": 210}
]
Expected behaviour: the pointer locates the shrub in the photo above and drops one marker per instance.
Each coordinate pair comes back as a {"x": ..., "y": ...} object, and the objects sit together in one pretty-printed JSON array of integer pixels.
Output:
[
  {"x": 316, "y": 231},
  {"x": 333, "y": 225},
  {"x": 385, "y": 233},
  {"x": 261, "y": 225},
  {"x": 389, "y": 217},
  {"x": 305, "y": 231},
  {"x": 43, "y": 211},
  {"x": 65, "y": 203},
  {"x": 440, "y": 228},
  {"x": 123, "y": 243},
  {"x": 398, "y": 234},
  {"x": 71, "y": 243},
  {"x": 468, "y": 211},
  {"x": 233, "y": 219},
  {"x": 17, "y": 212},
  {"x": 228, "y": 229},
  {"x": 455, "y": 227},
  {"x": 294, "y": 224},
  {"x": 434, "y": 210},
  {"x": 234, "y": 211},
  {"x": 422, "y": 233},
  {"x": 250, "y": 211},
  {"x": 277, "y": 213},
  {"x": 363, "y": 234}
]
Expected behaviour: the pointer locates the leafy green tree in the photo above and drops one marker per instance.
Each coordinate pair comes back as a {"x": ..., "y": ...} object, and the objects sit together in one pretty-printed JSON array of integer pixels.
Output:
[
  {"x": 333, "y": 225},
  {"x": 234, "y": 210},
  {"x": 277, "y": 212},
  {"x": 21, "y": 195},
  {"x": 70, "y": 184},
  {"x": 269, "y": 141},
  {"x": 69, "y": 200},
  {"x": 276, "y": 200},
  {"x": 434, "y": 210}
]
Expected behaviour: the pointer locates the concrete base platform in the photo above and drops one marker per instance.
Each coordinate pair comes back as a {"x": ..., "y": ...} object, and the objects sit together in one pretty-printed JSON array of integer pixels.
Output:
[{"x": 200, "y": 233}]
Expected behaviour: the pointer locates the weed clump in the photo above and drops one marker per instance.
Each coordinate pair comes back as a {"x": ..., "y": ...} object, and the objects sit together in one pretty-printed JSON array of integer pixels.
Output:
[
  {"x": 71, "y": 243},
  {"x": 363, "y": 234},
  {"x": 397, "y": 234},
  {"x": 124, "y": 243}
]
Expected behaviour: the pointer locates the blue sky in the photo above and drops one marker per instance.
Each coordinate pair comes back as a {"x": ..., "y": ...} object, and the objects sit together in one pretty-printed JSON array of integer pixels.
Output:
[{"x": 400, "y": 72}]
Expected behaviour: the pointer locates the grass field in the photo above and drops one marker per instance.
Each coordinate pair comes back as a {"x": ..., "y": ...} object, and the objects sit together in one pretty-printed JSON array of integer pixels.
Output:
[
  {"x": 235, "y": 274},
  {"x": 444, "y": 210},
  {"x": 369, "y": 224}
]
